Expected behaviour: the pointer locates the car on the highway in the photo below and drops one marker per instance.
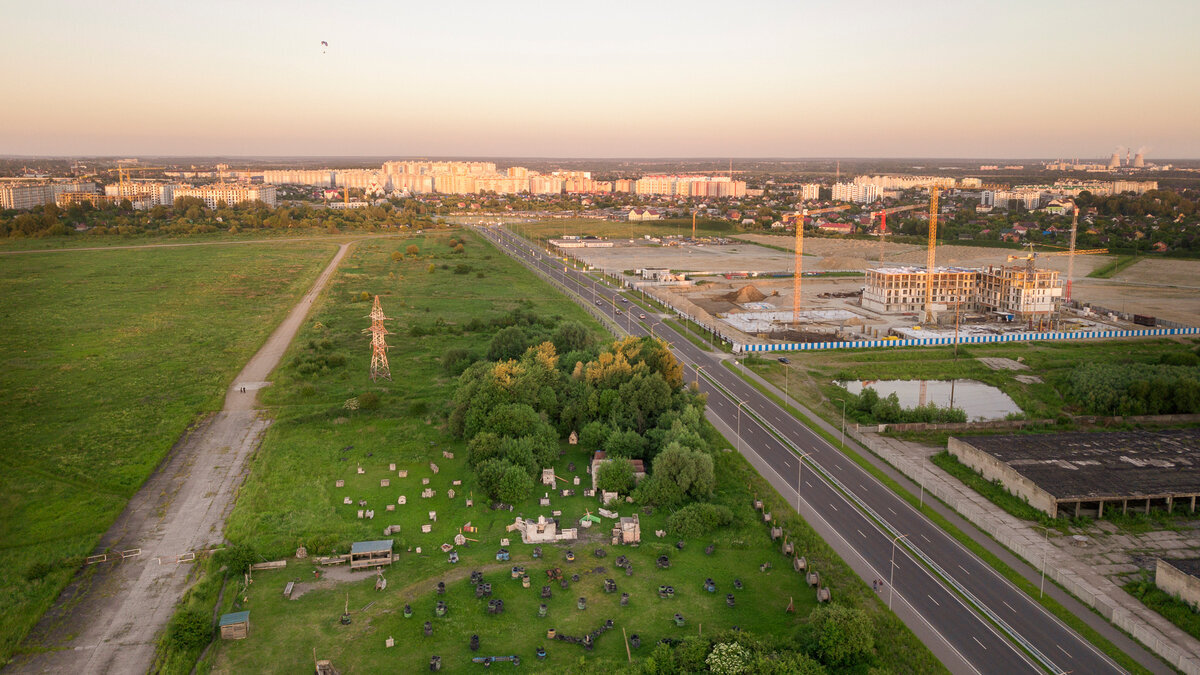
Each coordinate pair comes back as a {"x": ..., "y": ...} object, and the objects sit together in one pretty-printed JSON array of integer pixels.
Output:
[
  {"x": 618, "y": 311},
  {"x": 599, "y": 302},
  {"x": 641, "y": 316}
]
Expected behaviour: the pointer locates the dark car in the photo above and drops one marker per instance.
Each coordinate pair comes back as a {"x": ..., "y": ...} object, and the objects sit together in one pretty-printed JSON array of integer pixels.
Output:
[{"x": 784, "y": 360}]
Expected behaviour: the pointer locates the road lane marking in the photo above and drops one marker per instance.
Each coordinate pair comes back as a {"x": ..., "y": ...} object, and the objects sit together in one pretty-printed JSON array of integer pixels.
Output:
[
  {"x": 932, "y": 600},
  {"x": 833, "y": 507},
  {"x": 964, "y": 569},
  {"x": 891, "y": 511},
  {"x": 1009, "y": 606},
  {"x": 978, "y": 642},
  {"x": 861, "y": 532},
  {"x": 926, "y": 539},
  {"x": 1064, "y": 651},
  {"x": 808, "y": 483}
]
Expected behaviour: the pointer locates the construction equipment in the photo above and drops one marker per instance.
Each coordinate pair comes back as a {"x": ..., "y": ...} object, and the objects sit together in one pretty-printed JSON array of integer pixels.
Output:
[
  {"x": 883, "y": 214},
  {"x": 123, "y": 176},
  {"x": 804, "y": 213},
  {"x": 929, "y": 260},
  {"x": 1034, "y": 255}
]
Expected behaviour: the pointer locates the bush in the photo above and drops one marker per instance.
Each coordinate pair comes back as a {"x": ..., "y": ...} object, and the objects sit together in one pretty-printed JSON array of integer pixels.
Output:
[
  {"x": 697, "y": 520},
  {"x": 462, "y": 269},
  {"x": 728, "y": 658},
  {"x": 456, "y": 360},
  {"x": 844, "y": 635},
  {"x": 412, "y": 250},
  {"x": 189, "y": 629},
  {"x": 368, "y": 400}
]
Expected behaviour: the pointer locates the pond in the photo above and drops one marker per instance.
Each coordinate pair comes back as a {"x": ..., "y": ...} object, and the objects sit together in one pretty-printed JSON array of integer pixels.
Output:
[{"x": 982, "y": 402}]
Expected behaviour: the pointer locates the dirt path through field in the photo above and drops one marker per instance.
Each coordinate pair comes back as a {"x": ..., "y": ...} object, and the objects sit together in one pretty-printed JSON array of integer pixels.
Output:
[{"x": 108, "y": 621}]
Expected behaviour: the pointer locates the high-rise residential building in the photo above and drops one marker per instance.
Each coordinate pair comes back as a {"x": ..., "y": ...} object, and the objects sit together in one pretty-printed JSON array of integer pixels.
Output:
[
  {"x": 810, "y": 192},
  {"x": 545, "y": 185},
  {"x": 25, "y": 195},
  {"x": 230, "y": 193},
  {"x": 859, "y": 193},
  {"x": 313, "y": 177}
]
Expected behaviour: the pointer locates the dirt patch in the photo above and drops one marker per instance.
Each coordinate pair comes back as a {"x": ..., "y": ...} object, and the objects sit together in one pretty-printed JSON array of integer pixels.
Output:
[{"x": 746, "y": 294}]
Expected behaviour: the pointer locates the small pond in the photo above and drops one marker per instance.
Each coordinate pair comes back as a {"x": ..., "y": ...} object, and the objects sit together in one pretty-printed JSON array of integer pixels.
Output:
[{"x": 982, "y": 402}]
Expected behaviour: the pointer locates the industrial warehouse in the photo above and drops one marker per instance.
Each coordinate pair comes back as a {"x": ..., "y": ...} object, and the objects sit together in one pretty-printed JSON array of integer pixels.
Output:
[{"x": 1089, "y": 474}]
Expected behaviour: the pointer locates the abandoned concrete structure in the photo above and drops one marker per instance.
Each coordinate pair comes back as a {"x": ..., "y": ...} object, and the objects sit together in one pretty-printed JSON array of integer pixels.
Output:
[{"x": 1088, "y": 474}]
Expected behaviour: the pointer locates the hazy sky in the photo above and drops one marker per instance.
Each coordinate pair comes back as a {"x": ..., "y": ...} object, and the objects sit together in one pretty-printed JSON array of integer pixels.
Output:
[{"x": 800, "y": 78}]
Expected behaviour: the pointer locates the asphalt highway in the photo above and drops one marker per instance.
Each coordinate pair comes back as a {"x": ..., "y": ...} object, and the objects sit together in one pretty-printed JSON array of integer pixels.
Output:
[{"x": 990, "y": 624}]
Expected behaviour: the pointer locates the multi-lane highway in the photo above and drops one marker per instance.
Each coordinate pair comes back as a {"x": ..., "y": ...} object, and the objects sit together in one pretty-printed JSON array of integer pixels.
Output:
[{"x": 989, "y": 625}]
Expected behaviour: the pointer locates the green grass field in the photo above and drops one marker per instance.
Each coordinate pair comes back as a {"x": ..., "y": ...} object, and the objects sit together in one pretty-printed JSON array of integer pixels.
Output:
[
  {"x": 291, "y": 498},
  {"x": 811, "y": 374},
  {"x": 107, "y": 358}
]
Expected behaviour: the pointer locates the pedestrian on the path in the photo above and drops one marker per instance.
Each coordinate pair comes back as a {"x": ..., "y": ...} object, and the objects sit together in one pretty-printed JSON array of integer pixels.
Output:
[{"x": 875, "y": 584}]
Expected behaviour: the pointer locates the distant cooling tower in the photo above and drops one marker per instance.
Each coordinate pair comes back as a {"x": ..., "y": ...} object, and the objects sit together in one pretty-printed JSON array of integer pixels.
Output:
[
  {"x": 1115, "y": 161},
  {"x": 1139, "y": 160}
]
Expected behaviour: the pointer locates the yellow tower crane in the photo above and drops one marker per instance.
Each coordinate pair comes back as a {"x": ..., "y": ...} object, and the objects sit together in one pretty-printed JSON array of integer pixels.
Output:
[
  {"x": 804, "y": 213},
  {"x": 123, "y": 176},
  {"x": 929, "y": 258}
]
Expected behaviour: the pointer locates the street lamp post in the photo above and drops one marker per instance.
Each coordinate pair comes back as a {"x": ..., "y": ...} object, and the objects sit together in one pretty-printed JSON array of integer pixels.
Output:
[
  {"x": 1046, "y": 531},
  {"x": 892, "y": 571},
  {"x": 800, "y": 477},
  {"x": 843, "y": 420},
  {"x": 698, "y": 369},
  {"x": 739, "y": 425}
]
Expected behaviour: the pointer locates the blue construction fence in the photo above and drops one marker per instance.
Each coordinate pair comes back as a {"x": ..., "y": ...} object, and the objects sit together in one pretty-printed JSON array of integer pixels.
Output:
[{"x": 968, "y": 340}]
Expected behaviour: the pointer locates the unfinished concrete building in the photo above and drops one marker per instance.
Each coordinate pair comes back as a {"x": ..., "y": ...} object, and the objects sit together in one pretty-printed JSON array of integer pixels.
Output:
[
  {"x": 1008, "y": 292},
  {"x": 897, "y": 290},
  {"x": 1091, "y": 474},
  {"x": 1024, "y": 292}
]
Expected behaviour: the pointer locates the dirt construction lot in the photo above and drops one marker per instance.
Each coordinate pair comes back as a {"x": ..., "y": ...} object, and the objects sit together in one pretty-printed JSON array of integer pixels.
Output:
[{"x": 1167, "y": 289}]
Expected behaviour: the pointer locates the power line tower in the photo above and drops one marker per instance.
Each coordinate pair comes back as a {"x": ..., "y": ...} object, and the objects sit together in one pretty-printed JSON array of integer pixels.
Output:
[{"x": 379, "y": 332}]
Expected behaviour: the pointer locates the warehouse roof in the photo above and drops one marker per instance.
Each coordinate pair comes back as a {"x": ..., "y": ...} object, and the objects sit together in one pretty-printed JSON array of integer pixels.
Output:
[{"x": 1105, "y": 465}]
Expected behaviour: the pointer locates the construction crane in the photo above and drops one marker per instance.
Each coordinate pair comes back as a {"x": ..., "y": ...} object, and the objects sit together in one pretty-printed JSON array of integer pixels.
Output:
[
  {"x": 883, "y": 214},
  {"x": 123, "y": 175},
  {"x": 929, "y": 259},
  {"x": 1034, "y": 255},
  {"x": 804, "y": 213}
]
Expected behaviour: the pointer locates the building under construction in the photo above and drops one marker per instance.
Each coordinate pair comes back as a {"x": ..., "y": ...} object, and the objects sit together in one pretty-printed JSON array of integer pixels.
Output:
[{"x": 1013, "y": 292}]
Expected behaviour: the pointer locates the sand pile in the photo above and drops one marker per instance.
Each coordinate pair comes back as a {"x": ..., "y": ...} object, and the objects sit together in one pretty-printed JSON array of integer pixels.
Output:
[
  {"x": 747, "y": 294},
  {"x": 835, "y": 262}
]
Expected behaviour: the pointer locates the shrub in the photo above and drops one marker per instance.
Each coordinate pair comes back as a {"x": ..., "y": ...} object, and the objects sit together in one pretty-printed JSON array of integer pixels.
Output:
[
  {"x": 728, "y": 658},
  {"x": 844, "y": 635},
  {"x": 412, "y": 250},
  {"x": 456, "y": 360},
  {"x": 368, "y": 400},
  {"x": 462, "y": 269},
  {"x": 364, "y": 296},
  {"x": 697, "y": 520},
  {"x": 190, "y": 629}
]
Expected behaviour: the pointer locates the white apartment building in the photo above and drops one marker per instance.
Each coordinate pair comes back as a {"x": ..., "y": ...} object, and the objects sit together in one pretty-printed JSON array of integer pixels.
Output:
[
  {"x": 230, "y": 193},
  {"x": 140, "y": 192},
  {"x": 25, "y": 195},
  {"x": 886, "y": 182},
  {"x": 859, "y": 193},
  {"x": 810, "y": 192},
  {"x": 314, "y": 177}
]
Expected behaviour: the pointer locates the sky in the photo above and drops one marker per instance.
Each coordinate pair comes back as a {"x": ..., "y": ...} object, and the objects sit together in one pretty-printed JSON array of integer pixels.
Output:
[{"x": 701, "y": 78}]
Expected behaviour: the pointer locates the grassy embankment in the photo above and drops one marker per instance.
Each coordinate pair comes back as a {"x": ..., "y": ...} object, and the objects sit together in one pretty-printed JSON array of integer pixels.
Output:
[
  {"x": 107, "y": 358},
  {"x": 291, "y": 498},
  {"x": 1114, "y": 267}
]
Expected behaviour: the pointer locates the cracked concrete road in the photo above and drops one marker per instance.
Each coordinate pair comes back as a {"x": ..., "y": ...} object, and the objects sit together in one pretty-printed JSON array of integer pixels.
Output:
[{"x": 108, "y": 618}]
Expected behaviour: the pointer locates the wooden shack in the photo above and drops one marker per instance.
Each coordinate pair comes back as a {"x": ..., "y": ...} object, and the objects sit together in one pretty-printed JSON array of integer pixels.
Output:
[
  {"x": 235, "y": 626},
  {"x": 368, "y": 554}
]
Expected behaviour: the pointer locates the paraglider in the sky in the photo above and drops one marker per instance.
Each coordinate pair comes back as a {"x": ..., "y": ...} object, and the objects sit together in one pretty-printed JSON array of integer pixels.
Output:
[{"x": 324, "y": 46}]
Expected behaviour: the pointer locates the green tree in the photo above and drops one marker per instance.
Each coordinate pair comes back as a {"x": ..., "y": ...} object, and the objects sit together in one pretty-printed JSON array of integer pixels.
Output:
[
  {"x": 615, "y": 476},
  {"x": 627, "y": 443},
  {"x": 571, "y": 336},
  {"x": 690, "y": 470},
  {"x": 190, "y": 629},
  {"x": 509, "y": 343},
  {"x": 514, "y": 486},
  {"x": 844, "y": 635}
]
